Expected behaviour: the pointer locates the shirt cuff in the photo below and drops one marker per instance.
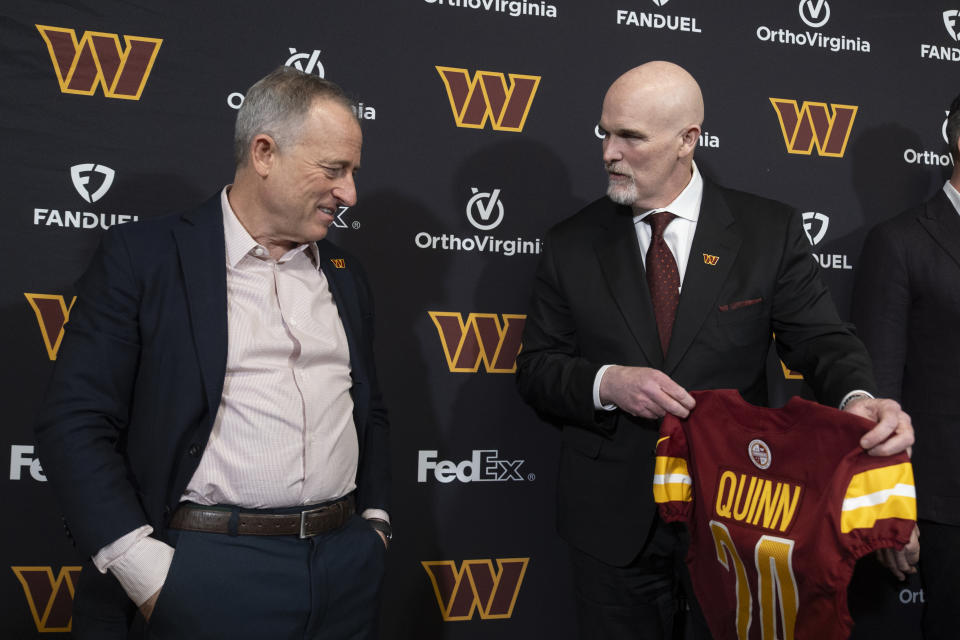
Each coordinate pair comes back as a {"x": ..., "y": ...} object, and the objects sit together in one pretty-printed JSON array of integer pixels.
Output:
[
  {"x": 375, "y": 513},
  {"x": 596, "y": 391},
  {"x": 138, "y": 562},
  {"x": 853, "y": 394}
]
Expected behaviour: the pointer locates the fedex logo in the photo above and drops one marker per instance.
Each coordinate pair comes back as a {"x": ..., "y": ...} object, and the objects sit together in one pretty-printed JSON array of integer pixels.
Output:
[{"x": 484, "y": 465}]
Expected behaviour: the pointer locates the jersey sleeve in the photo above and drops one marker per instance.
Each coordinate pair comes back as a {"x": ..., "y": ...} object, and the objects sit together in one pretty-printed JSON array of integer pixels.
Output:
[
  {"x": 879, "y": 506},
  {"x": 672, "y": 483}
]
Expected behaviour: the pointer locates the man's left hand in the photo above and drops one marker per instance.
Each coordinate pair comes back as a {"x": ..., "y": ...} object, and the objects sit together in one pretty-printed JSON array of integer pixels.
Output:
[
  {"x": 904, "y": 561},
  {"x": 893, "y": 433}
]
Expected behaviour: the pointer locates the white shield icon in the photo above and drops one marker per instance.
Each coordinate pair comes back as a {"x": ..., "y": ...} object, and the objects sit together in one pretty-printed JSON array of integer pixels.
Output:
[{"x": 80, "y": 174}]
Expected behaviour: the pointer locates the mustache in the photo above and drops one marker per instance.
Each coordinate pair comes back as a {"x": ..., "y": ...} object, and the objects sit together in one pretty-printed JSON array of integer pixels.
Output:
[{"x": 615, "y": 167}]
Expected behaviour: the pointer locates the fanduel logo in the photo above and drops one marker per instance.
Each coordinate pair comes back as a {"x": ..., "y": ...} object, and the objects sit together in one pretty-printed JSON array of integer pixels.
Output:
[
  {"x": 21, "y": 455},
  {"x": 52, "y": 313},
  {"x": 476, "y": 587},
  {"x": 97, "y": 60},
  {"x": 50, "y": 598},
  {"x": 644, "y": 20},
  {"x": 815, "y": 13},
  {"x": 811, "y": 219},
  {"x": 313, "y": 64},
  {"x": 814, "y": 124},
  {"x": 951, "y": 20},
  {"x": 815, "y": 226},
  {"x": 483, "y": 466},
  {"x": 486, "y": 97},
  {"x": 80, "y": 174},
  {"x": 482, "y": 338},
  {"x": 950, "y": 17}
]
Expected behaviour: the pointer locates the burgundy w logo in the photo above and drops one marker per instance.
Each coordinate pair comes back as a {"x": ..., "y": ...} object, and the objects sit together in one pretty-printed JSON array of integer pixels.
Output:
[
  {"x": 50, "y": 599},
  {"x": 481, "y": 338},
  {"x": 487, "y": 96},
  {"x": 476, "y": 587},
  {"x": 98, "y": 60},
  {"x": 52, "y": 314},
  {"x": 813, "y": 125}
]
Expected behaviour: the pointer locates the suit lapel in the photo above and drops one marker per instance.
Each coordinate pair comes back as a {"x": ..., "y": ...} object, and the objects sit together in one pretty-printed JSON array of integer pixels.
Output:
[
  {"x": 622, "y": 264},
  {"x": 200, "y": 244},
  {"x": 715, "y": 237},
  {"x": 942, "y": 222},
  {"x": 344, "y": 292}
]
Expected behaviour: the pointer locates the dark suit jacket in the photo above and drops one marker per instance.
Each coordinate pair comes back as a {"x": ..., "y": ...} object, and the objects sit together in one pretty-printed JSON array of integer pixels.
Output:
[
  {"x": 140, "y": 372},
  {"x": 907, "y": 309},
  {"x": 591, "y": 306}
]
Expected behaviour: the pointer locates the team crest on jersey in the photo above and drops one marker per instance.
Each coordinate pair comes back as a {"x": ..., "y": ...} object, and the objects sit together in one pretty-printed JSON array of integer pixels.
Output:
[{"x": 759, "y": 453}]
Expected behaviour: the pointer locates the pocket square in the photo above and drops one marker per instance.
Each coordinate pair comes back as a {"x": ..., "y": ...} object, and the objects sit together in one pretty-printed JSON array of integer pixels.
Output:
[{"x": 740, "y": 304}]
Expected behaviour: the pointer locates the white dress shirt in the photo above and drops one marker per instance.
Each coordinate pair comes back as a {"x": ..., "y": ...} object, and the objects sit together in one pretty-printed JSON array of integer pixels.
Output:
[
  {"x": 679, "y": 238},
  {"x": 284, "y": 432},
  {"x": 952, "y": 194}
]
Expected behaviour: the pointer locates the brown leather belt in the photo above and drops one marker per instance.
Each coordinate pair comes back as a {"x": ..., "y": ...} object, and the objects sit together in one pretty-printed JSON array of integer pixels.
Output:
[{"x": 309, "y": 522}]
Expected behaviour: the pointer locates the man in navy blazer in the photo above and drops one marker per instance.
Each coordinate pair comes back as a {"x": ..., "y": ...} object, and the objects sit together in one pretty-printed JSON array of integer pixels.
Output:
[
  {"x": 907, "y": 308},
  {"x": 602, "y": 362},
  {"x": 214, "y": 426}
]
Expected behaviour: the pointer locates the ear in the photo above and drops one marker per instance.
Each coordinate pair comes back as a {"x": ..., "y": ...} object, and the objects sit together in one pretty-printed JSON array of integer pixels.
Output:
[
  {"x": 688, "y": 139},
  {"x": 263, "y": 154}
]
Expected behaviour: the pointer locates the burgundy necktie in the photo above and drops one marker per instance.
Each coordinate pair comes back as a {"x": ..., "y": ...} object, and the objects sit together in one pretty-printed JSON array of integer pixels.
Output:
[{"x": 663, "y": 278}]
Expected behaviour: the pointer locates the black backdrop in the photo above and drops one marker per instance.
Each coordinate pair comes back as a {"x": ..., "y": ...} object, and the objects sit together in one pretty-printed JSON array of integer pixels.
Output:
[{"x": 120, "y": 110}]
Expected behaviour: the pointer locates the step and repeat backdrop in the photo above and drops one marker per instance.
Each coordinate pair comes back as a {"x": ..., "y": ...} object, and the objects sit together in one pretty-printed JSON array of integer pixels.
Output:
[{"x": 479, "y": 124}]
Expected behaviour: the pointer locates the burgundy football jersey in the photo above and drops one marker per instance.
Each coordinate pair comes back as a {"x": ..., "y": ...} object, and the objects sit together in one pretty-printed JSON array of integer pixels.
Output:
[{"x": 779, "y": 504}]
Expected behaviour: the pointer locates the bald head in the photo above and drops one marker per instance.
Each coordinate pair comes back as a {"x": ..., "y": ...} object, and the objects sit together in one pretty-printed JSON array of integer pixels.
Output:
[
  {"x": 665, "y": 90},
  {"x": 652, "y": 116}
]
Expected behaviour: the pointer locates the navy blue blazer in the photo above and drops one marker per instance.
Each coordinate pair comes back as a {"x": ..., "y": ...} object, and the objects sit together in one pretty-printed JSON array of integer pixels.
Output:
[{"x": 140, "y": 372}]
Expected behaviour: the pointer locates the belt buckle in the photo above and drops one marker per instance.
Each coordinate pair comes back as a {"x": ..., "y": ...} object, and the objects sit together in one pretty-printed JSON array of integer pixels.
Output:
[{"x": 303, "y": 521}]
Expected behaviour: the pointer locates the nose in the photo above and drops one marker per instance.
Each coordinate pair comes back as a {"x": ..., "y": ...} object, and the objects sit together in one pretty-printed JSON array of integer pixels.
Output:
[
  {"x": 346, "y": 191},
  {"x": 611, "y": 150}
]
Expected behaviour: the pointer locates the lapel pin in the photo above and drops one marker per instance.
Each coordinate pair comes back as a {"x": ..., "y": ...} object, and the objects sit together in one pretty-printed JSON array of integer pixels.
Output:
[
  {"x": 710, "y": 260},
  {"x": 339, "y": 263}
]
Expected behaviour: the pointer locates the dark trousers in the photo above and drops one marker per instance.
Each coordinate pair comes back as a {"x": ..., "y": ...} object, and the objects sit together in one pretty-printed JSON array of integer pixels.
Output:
[
  {"x": 645, "y": 600},
  {"x": 940, "y": 574},
  {"x": 277, "y": 587}
]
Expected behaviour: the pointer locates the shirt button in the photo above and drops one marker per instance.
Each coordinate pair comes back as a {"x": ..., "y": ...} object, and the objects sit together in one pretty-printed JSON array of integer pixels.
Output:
[
  {"x": 259, "y": 251},
  {"x": 292, "y": 322}
]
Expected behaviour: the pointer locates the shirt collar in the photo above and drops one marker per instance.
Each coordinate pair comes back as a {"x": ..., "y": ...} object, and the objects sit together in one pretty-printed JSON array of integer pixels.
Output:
[
  {"x": 687, "y": 204},
  {"x": 952, "y": 194},
  {"x": 239, "y": 243}
]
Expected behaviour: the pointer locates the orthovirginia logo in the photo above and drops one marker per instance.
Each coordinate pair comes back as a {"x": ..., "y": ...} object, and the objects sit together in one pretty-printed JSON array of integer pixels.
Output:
[
  {"x": 50, "y": 599},
  {"x": 308, "y": 63},
  {"x": 706, "y": 139},
  {"x": 52, "y": 313},
  {"x": 813, "y": 124},
  {"x": 486, "y": 96},
  {"x": 931, "y": 157},
  {"x": 512, "y": 8},
  {"x": 814, "y": 14},
  {"x": 97, "y": 60},
  {"x": 476, "y": 587},
  {"x": 481, "y": 338},
  {"x": 485, "y": 212}
]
